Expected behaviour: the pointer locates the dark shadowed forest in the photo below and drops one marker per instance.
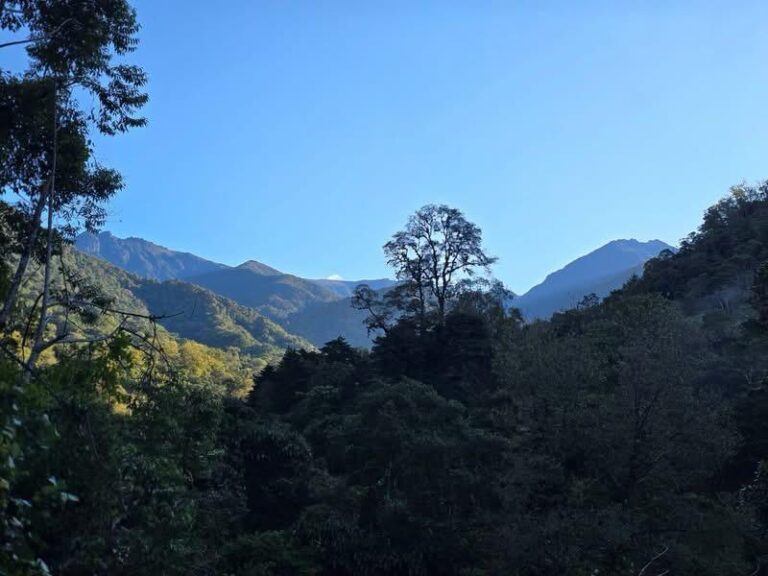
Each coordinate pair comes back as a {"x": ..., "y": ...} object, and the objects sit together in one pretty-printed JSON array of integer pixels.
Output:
[{"x": 627, "y": 435}]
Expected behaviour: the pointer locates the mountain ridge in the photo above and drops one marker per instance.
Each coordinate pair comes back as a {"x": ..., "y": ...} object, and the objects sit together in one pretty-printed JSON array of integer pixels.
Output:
[
  {"x": 275, "y": 295},
  {"x": 600, "y": 271},
  {"x": 259, "y": 268},
  {"x": 144, "y": 258},
  {"x": 190, "y": 311},
  {"x": 319, "y": 310}
]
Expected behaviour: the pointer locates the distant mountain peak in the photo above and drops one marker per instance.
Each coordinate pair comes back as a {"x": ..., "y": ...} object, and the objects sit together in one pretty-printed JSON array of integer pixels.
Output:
[
  {"x": 608, "y": 259},
  {"x": 259, "y": 268},
  {"x": 600, "y": 271},
  {"x": 633, "y": 244}
]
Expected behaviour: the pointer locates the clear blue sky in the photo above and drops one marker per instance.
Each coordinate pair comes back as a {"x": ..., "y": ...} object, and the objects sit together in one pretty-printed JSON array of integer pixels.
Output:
[{"x": 302, "y": 134}]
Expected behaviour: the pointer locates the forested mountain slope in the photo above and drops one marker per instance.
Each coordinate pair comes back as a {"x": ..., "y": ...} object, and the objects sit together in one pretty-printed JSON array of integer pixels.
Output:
[
  {"x": 715, "y": 266},
  {"x": 274, "y": 295},
  {"x": 598, "y": 272},
  {"x": 191, "y": 311},
  {"x": 143, "y": 258},
  {"x": 319, "y": 310},
  {"x": 320, "y": 322},
  {"x": 307, "y": 306},
  {"x": 627, "y": 433},
  {"x": 316, "y": 310}
]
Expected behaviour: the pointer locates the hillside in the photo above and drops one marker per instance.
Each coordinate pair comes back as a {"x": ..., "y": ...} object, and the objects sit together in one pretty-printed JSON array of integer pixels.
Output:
[
  {"x": 599, "y": 272},
  {"x": 144, "y": 258},
  {"x": 633, "y": 430},
  {"x": 275, "y": 295},
  {"x": 716, "y": 265},
  {"x": 315, "y": 310},
  {"x": 627, "y": 428},
  {"x": 194, "y": 312},
  {"x": 221, "y": 344},
  {"x": 321, "y": 322},
  {"x": 213, "y": 319},
  {"x": 319, "y": 309}
]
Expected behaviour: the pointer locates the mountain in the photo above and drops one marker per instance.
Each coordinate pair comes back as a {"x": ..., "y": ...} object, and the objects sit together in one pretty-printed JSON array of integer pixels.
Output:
[
  {"x": 319, "y": 310},
  {"x": 190, "y": 311},
  {"x": 345, "y": 288},
  {"x": 275, "y": 295},
  {"x": 321, "y": 322},
  {"x": 259, "y": 268},
  {"x": 599, "y": 272},
  {"x": 316, "y": 310},
  {"x": 144, "y": 258}
]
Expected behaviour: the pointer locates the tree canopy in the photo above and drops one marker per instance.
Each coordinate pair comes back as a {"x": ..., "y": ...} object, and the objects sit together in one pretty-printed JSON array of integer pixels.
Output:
[
  {"x": 627, "y": 436},
  {"x": 435, "y": 258},
  {"x": 48, "y": 158}
]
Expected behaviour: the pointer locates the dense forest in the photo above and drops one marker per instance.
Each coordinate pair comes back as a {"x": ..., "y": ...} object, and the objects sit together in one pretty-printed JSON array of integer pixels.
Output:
[{"x": 626, "y": 436}]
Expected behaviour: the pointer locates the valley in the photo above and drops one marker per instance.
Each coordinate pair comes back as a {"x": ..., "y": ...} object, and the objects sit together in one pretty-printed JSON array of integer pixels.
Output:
[
  {"x": 307, "y": 359},
  {"x": 320, "y": 310}
]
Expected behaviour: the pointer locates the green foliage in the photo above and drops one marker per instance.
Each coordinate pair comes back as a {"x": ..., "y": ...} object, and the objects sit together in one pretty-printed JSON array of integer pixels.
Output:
[
  {"x": 435, "y": 259},
  {"x": 578, "y": 433},
  {"x": 207, "y": 337},
  {"x": 626, "y": 436},
  {"x": 195, "y": 313},
  {"x": 268, "y": 554},
  {"x": 716, "y": 264},
  {"x": 611, "y": 401},
  {"x": 77, "y": 44},
  {"x": 189, "y": 311},
  {"x": 26, "y": 433},
  {"x": 391, "y": 477},
  {"x": 45, "y": 136},
  {"x": 90, "y": 487}
]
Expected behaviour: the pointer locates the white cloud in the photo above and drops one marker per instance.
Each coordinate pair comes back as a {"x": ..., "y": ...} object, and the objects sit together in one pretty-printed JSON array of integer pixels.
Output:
[{"x": 334, "y": 277}]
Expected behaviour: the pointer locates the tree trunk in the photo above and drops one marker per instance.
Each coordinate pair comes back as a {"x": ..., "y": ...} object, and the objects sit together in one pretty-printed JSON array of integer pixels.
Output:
[
  {"x": 37, "y": 345},
  {"x": 26, "y": 256},
  {"x": 441, "y": 309},
  {"x": 37, "y": 342}
]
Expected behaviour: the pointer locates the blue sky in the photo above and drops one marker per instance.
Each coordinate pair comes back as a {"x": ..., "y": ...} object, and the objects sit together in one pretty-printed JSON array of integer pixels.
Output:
[{"x": 302, "y": 134}]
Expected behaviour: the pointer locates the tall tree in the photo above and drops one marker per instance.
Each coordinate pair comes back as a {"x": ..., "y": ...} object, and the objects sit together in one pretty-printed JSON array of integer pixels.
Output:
[
  {"x": 44, "y": 132},
  {"x": 435, "y": 258}
]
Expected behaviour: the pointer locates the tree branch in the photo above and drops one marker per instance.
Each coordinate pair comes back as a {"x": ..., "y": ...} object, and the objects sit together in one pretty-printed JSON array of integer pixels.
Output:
[
  {"x": 12, "y": 355},
  {"x": 40, "y": 38},
  {"x": 652, "y": 560}
]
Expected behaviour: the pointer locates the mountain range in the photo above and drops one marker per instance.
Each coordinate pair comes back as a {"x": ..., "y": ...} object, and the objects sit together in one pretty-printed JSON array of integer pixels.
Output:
[
  {"x": 318, "y": 310},
  {"x": 189, "y": 311}
]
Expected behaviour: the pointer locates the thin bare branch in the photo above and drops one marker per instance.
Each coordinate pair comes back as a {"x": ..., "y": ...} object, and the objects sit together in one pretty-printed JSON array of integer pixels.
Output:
[{"x": 652, "y": 560}]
